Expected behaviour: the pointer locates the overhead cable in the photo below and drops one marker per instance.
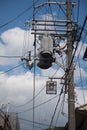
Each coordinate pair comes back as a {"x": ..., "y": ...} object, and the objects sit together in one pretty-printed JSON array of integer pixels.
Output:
[
  {"x": 56, "y": 108},
  {"x": 61, "y": 8},
  {"x": 60, "y": 109},
  {"x": 82, "y": 29},
  {"x": 81, "y": 80},
  {"x": 30, "y": 99},
  {"x": 11, "y": 69},
  {"x": 30, "y": 124},
  {"x": 6, "y": 56},
  {"x": 78, "y": 11},
  {"x": 19, "y": 15},
  {"x": 38, "y": 105},
  {"x": 43, "y": 124}
]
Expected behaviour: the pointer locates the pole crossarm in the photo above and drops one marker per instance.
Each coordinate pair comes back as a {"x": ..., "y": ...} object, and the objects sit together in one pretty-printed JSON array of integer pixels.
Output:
[{"x": 50, "y": 2}]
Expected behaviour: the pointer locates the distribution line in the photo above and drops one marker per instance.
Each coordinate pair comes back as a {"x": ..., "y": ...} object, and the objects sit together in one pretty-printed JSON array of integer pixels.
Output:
[
  {"x": 34, "y": 77},
  {"x": 31, "y": 99},
  {"x": 36, "y": 94},
  {"x": 60, "y": 109},
  {"x": 78, "y": 11},
  {"x": 56, "y": 108},
  {"x": 38, "y": 105},
  {"x": 11, "y": 69},
  {"x": 30, "y": 124},
  {"x": 6, "y": 56},
  {"x": 19, "y": 15},
  {"x": 61, "y": 8},
  {"x": 81, "y": 80},
  {"x": 43, "y": 124},
  {"x": 81, "y": 32}
]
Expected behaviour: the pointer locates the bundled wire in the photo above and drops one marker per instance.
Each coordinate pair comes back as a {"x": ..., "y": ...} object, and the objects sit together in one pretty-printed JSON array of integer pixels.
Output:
[{"x": 56, "y": 108}]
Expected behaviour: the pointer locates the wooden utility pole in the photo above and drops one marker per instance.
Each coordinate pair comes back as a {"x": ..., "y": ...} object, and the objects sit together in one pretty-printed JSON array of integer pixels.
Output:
[
  {"x": 70, "y": 70},
  {"x": 40, "y": 27}
]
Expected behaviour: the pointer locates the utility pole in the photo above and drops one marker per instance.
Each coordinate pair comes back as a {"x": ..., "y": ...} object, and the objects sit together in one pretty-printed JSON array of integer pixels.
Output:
[
  {"x": 70, "y": 70},
  {"x": 45, "y": 28}
]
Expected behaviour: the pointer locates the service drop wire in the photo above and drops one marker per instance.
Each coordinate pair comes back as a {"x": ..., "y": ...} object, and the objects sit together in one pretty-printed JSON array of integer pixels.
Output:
[
  {"x": 56, "y": 107},
  {"x": 34, "y": 68},
  {"x": 34, "y": 82}
]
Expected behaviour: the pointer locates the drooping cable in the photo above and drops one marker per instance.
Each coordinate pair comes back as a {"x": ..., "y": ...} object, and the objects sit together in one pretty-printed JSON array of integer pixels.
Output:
[
  {"x": 9, "y": 56},
  {"x": 34, "y": 67},
  {"x": 78, "y": 7},
  {"x": 29, "y": 123},
  {"x": 11, "y": 69},
  {"x": 78, "y": 60},
  {"x": 28, "y": 102},
  {"x": 77, "y": 43},
  {"x": 38, "y": 105},
  {"x": 81, "y": 79},
  {"x": 42, "y": 124},
  {"x": 24, "y": 43},
  {"x": 60, "y": 109},
  {"x": 80, "y": 48},
  {"x": 18, "y": 16},
  {"x": 61, "y": 8},
  {"x": 56, "y": 108}
]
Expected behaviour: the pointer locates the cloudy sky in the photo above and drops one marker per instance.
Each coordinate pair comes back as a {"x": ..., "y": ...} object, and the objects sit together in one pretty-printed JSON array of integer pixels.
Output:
[{"x": 17, "y": 81}]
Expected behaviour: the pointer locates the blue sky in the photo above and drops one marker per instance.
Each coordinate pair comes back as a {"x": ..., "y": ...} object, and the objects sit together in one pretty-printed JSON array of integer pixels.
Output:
[
  {"x": 17, "y": 85},
  {"x": 10, "y": 9}
]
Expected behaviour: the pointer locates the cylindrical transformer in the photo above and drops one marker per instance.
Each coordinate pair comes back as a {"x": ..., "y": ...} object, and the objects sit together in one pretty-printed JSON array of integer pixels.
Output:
[
  {"x": 45, "y": 52},
  {"x": 46, "y": 46}
]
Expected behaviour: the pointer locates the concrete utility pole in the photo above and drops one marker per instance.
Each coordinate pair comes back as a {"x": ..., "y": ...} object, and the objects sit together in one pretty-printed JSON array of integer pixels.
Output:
[{"x": 70, "y": 70}]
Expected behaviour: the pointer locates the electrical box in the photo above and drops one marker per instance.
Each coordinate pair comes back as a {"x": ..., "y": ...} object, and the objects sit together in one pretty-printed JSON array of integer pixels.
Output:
[{"x": 51, "y": 87}]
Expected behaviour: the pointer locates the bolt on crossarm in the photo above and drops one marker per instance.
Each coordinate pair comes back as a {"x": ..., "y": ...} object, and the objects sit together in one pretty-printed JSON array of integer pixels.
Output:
[{"x": 70, "y": 70}]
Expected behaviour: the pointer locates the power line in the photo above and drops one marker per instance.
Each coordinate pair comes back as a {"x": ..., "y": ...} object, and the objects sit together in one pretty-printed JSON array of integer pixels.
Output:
[
  {"x": 36, "y": 94},
  {"x": 81, "y": 80},
  {"x": 80, "y": 49},
  {"x": 12, "y": 20},
  {"x": 61, "y": 8},
  {"x": 28, "y": 123},
  {"x": 43, "y": 124},
  {"x": 31, "y": 99},
  {"x": 34, "y": 77},
  {"x": 60, "y": 109},
  {"x": 39, "y": 105},
  {"x": 56, "y": 108},
  {"x": 11, "y": 69},
  {"x": 19, "y": 15},
  {"x": 78, "y": 10},
  {"x": 6, "y": 56},
  {"x": 77, "y": 43}
]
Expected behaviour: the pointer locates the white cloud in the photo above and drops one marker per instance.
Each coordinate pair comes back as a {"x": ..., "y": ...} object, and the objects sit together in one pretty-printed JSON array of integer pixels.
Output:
[
  {"x": 13, "y": 44},
  {"x": 78, "y": 71},
  {"x": 18, "y": 89},
  {"x": 13, "y": 39},
  {"x": 21, "y": 86},
  {"x": 14, "y": 88}
]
